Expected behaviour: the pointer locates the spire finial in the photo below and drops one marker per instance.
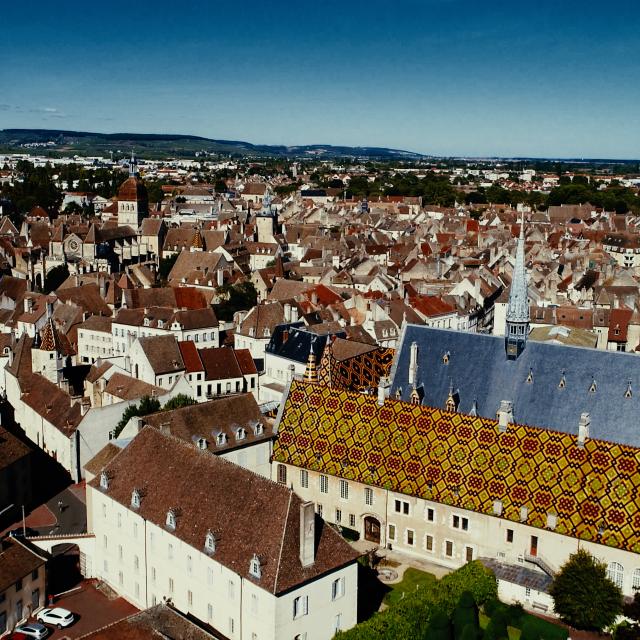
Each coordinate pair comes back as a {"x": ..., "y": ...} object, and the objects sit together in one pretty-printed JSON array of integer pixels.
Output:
[
  {"x": 132, "y": 165},
  {"x": 517, "y": 327}
]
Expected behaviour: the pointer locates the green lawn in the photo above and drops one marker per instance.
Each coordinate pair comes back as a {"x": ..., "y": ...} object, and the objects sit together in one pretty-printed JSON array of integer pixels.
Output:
[
  {"x": 548, "y": 630},
  {"x": 411, "y": 580}
]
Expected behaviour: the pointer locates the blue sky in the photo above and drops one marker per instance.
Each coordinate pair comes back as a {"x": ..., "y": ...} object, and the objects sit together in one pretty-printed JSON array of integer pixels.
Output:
[{"x": 462, "y": 77}]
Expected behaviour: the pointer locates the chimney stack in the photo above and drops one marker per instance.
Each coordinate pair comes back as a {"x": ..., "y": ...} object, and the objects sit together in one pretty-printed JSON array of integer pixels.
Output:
[
  {"x": 505, "y": 415},
  {"x": 307, "y": 534},
  {"x": 294, "y": 313},
  {"x": 413, "y": 363},
  {"x": 287, "y": 312},
  {"x": 583, "y": 429},
  {"x": 383, "y": 389}
]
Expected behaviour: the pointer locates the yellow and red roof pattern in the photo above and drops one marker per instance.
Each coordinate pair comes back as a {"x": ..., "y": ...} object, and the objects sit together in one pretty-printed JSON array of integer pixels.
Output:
[{"x": 466, "y": 461}]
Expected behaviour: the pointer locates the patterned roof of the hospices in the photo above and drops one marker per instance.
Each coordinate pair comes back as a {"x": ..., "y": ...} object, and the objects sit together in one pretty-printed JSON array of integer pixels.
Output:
[
  {"x": 463, "y": 460},
  {"x": 347, "y": 364}
]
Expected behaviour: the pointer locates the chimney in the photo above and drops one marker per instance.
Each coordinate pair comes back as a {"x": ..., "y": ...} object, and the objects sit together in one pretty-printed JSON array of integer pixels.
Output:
[
  {"x": 314, "y": 297},
  {"x": 505, "y": 415},
  {"x": 103, "y": 287},
  {"x": 28, "y": 304},
  {"x": 383, "y": 389},
  {"x": 476, "y": 289},
  {"x": 287, "y": 312},
  {"x": 220, "y": 277},
  {"x": 307, "y": 534},
  {"x": 413, "y": 363},
  {"x": 84, "y": 407},
  {"x": 294, "y": 313},
  {"x": 583, "y": 429}
]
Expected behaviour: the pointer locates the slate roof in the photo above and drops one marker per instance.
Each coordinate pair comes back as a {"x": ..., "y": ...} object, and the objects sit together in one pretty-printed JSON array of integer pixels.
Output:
[
  {"x": 517, "y": 574},
  {"x": 17, "y": 561},
  {"x": 250, "y": 514},
  {"x": 294, "y": 341},
  {"x": 479, "y": 371},
  {"x": 465, "y": 461}
]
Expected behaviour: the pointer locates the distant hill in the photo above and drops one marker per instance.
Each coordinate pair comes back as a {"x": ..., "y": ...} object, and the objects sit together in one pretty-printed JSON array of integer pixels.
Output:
[{"x": 162, "y": 145}]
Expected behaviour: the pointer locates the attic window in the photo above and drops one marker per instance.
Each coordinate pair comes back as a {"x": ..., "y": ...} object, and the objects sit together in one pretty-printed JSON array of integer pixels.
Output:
[
  {"x": 258, "y": 428},
  {"x": 160, "y": 324},
  {"x": 6, "y": 351},
  {"x": 135, "y": 499},
  {"x": 398, "y": 393},
  {"x": 563, "y": 382},
  {"x": 104, "y": 481},
  {"x": 171, "y": 520},
  {"x": 616, "y": 331},
  {"x": 202, "y": 443},
  {"x": 524, "y": 512},
  {"x": 146, "y": 322},
  {"x": 530, "y": 376},
  {"x": 241, "y": 434},
  {"x": 593, "y": 387},
  {"x": 255, "y": 567},
  {"x": 445, "y": 358},
  {"x": 210, "y": 542},
  {"x": 267, "y": 333},
  {"x": 627, "y": 393},
  {"x": 221, "y": 439}
]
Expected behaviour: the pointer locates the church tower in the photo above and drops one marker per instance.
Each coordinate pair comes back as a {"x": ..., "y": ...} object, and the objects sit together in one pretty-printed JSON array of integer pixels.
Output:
[
  {"x": 266, "y": 220},
  {"x": 517, "y": 327},
  {"x": 133, "y": 200}
]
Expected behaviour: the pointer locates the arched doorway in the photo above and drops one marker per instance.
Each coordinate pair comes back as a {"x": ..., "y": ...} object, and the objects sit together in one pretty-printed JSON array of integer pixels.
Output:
[
  {"x": 372, "y": 529},
  {"x": 64, "y": 570}
]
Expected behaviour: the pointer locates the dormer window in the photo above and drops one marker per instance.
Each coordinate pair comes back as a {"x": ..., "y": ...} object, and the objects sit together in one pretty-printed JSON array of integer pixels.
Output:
[
  {"x": 255, "y": 567},
  {"x": 530, "y": 376},
  {"x": 210, "y": 542},
  {"x": 221, "y": 439},
  {"x": 593, "y": 387},
  {"x": 399, "y": 394},
  {"x": 445, "y": 358},
  {"x": 160, "y": 324},
  {"x": 628, "y": 393},
  {"x": 267, "y": 333},
  {"x": 104, "y": 481},
  {"x": 146, "y": 322},
  {"x": 252, "y": 332},
  {"x": 202, "y": 443},
  {"x": 241, "y": 434},
  {"x": 135, "y": 499},
  {"x": 563, "y": 382},
  {"x": 171, "y": 520},
  {"x": 257, "y": 428}
]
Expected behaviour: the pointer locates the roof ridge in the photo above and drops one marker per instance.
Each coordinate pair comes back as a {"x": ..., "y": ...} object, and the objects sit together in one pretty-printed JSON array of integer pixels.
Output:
[{"x": 284, "y": 533}]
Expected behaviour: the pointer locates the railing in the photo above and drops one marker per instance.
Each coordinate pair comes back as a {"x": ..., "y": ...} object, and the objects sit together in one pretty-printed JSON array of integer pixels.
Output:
[{"x": 541, "y": 563}]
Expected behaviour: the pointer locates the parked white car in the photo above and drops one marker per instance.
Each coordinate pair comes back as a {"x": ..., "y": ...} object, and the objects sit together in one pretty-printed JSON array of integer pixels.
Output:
[
  {"x": 33, "y": 629},
  {"x": 58, "y": 617}
]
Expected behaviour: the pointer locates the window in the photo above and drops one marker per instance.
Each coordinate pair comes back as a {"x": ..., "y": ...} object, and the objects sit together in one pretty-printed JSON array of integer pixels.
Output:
[
  {"x": 153, "y": 575},
  {"x": 190, "y": 597},
  {"x": 170, "y": 552},
  {"x": 104, "y": 541},
  {"x": 34, "y": 574},
  {"x": 300, "y": 606},
  {"x": 254, "y": 603},
  {"x": 104, "y": 510},
  {"x": 105, "y": 566},
  {"x": 209, "y": 612},
  {"x": 401, "y": 506},
  {"x": 136, "y": 563},
  {"x": 319, "y": 509},
  {"x": 392, "y": 532},
  {"x": 410, "y": 537},
  {"x": 120, "y": 577},
  {"x": 255, "y": 568},
  {"x": 527, "y": 592},
  {"x": 171, "y": 519},
  {"x": 460, "y": 522},
  {"x": 368, "y": 496},
  {"x": 338, "y": 516},
  {"x": 337, "y": 625},
  {"x": 448, "y": 549},
  {"x": 209, "y": 576},
  {"x": 231, "y": 587},
  {"x": 337, "y": 588},
  {"x": 119, "y": 519},
  {"x": 170, "y": 585},
  {"x": 509, "y": 535},
  {"x": 304, "y": 478},
  {"x": 231, "y": 625},
  {"x": 120, "y": 552},
  {"x": 135, "y": 529},
  {"x": 615, "y": 573},
  {"x": 282, "y": 474},
  {"x": 19, "y": 585},
  {"x": 210, "y": 542},
  {"x": 344, "y": 489},
  {"x": 636, "y": 579},
  {"x": 430, "y": 514},
  {"x": 352, "y": 520},
  {"x": 324, "y": 484},
  {"x": 189, "y": 565},
  {"x": 428, "y": 543}
]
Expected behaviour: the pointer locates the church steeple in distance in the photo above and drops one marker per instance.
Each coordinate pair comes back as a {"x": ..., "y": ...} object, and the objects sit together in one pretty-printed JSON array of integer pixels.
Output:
[
  {"x": 517, "y": 328},
  {"x": 133, "y": 166}
]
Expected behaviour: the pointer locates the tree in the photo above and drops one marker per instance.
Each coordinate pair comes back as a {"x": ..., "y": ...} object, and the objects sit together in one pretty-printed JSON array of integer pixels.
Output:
[
  {"x": 147, "y": 405},
  {"x": 465, "y": 614},
  {"x": 497, "y": 627},
  {"x": 439, "y": 627},
  {"x": 583, "y": 595},
  {"x": 530, "y": 630},
  {"x": 55, "y": 278},
  {"x": 181, "y": 400}
]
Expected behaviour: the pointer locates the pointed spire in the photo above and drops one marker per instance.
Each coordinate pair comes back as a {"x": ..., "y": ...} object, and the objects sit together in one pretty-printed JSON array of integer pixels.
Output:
[
  {"x": 197, "y": 243},
  {"x": 132, "y": 166},
  {"x": 50, "y": 339},
  {"x": 311, "y": 372},
  {"x": 518, "y": 310}
]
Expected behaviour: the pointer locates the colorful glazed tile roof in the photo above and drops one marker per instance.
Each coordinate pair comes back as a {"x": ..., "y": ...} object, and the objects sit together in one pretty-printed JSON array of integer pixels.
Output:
[{"x": 466, "y": 461}]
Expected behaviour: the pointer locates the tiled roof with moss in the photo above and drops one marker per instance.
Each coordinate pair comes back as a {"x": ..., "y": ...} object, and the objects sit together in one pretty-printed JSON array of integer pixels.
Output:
[{"x": 466, "y": 461}]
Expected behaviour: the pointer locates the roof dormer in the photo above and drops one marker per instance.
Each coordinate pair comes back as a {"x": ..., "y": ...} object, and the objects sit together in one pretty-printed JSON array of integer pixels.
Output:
[
  {"x": 202, "y": 443},
  {"x": 210, "y": 542},
  {"x": 170, "y": 521},
  {"x": 135, "y": 499},
  {"x": 241, "y": 433},
  {"x": 221, "y": 439},
  {"x": 146, "y": 322},
  {"x": 255, "y": 567},
  {"x": 104, "y": 481}
]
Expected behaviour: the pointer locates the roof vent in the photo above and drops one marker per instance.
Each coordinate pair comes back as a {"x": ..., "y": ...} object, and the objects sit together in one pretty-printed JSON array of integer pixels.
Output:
[
  {"x": 627, "y": 393},
  {"x": 505, "y": 415},
  {"x": 593, "y": 387},
  {"x": 563, "y": 381},
  {"x": 524, "y": 512},
  {"x": 552, "y": 521},
  {"x": 445, "y": 357},
  {"x": 497, "y": 507},
  {"x": 530, "y": 376}
]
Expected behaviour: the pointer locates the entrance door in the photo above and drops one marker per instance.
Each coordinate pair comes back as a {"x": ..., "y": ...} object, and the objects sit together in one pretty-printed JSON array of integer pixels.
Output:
[
  {"x": 534, "y": 546},
  {"x": 469, "y": 554},
  {"x": 372, "y": 529}
]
